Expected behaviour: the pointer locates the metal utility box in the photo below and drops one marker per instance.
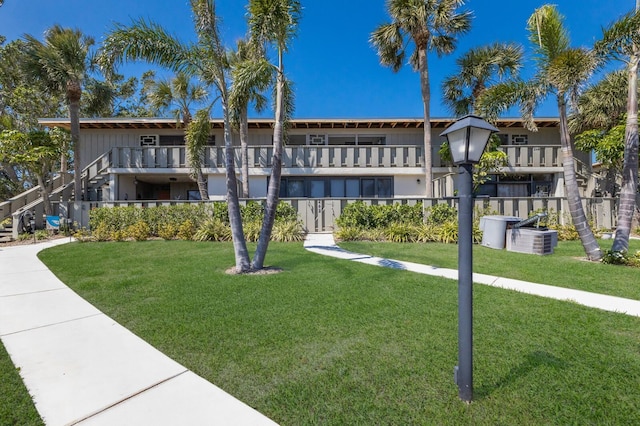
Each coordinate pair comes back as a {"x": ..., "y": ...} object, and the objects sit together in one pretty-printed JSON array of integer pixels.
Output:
[
  {"x": 494, "y": 229},
  {"x": 531, "y": 240}
]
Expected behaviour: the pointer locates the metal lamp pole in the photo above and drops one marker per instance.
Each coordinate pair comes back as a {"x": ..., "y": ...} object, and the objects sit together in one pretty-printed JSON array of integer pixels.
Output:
[
  {"x": 465, "y": 283},
  {"x": 467, "y": 139}
]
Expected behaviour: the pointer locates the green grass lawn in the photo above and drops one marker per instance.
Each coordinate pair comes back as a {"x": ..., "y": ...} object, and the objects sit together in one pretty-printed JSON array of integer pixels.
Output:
[
  {"x": 329, "y": 341},
  {"x": 16, "y": 406},
  {"x": 566, "y": 267}
]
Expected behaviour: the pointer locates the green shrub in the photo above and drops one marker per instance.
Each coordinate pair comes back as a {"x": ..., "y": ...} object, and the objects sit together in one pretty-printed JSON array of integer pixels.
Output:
[
  {"x": 167, "y": 231},
  {"x": 427, "y": 233},
  {"x": 139, "y": 231},
  {"x": 614, "y": 257},
  {"x": 252, "y": 231},
  {"x": 213, "y": 230},
  {"x": 400, "y": 233},
  {"x": 351, "y": 233},
  {"x": 440, "y": 214},
  {"x": 448, "y": 232},
  {"x": 252, "y": 212},
  {"x": 287, "y": 231},
  {"x": 119, "y": 235},
  {"x": 82, "y": 235},
  {"x": 355, "y": 215},
  {"x": 186, "y": 230},
  {"x": 42, "y": 234},
  {"x": 102, "y": 232}
]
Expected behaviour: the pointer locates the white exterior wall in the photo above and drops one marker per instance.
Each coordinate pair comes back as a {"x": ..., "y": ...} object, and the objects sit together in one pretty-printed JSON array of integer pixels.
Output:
[{"x": 409, "y": 186}]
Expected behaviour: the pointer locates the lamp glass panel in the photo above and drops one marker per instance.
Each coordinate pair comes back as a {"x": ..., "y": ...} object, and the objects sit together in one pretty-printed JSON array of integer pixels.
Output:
[
  {"x": 478, "y": 139},
  {"x": 457, "y": 145}
]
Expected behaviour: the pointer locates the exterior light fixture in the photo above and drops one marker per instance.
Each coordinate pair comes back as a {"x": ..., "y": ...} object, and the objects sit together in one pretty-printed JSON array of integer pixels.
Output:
[{"x": 467, "y": 138}]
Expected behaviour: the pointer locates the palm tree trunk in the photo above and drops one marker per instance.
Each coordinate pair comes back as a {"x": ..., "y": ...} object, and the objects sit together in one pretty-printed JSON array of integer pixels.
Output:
[
  {"x": 73, "y": 94},
  {"x": 233, "y": 205},
  {"x": 589, "y": 242},
  {"x": 426, "y": 99},
  {"x": 629, "y": 188},
  {"x": 244, "y": 150},
  {"x": 273, "y": 192},
  {"x": 203, "y": 185}
]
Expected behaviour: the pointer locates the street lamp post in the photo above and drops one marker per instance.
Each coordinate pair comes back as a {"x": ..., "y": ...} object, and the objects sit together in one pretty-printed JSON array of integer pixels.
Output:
[{"x": 467, "y": 139}]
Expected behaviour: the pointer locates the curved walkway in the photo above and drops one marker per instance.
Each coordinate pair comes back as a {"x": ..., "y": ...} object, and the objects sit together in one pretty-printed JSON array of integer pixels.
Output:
[
  {"x": 324, "y": 244},
  {"x": 81, "y": 367}
]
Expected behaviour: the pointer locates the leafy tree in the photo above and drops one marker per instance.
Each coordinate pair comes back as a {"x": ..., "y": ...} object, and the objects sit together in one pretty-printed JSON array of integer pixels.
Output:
[
  {"x": 478, "y": 68},
  {"x": 250, "y": 77},
  {"x": 560, "y": 70},
  {"x": 37, "y": 152},
  {"x": 274, "y": 23},
  {"x": 208, "y": 60},
  {"x": 61, "y": 63},
  {"x": 180, "y": 94},
  {"x": 430, "y": 25},
  {"x": 621, "y": 41}
]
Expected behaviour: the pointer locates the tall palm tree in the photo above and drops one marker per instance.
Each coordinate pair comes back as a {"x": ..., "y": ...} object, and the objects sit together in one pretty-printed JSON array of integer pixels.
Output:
[
  {"x": 250, "y": 79},
  {"x": 275, "y": 23},
  {"x": 563, "y": 69},
  {"x": 478, "y": 68},
  {"x": 431, "y": 25},
  {"x": 621, "y": 41},
  {"x": 207, "y": 59},
  {"x": 560, "y": 70},
  {"x": 180, "y": 94},
  {"x": 61, "y": 63}
]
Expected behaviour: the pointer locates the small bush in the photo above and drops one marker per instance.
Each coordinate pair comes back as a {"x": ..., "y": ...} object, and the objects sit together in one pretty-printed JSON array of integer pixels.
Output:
[
  {"x": 167, "y": 231},
  {"x": 287, "y": 231},
  {"x": 400, "y": 233},
  {"x": 42, "y": 234},
  {"x": 448, "y": 232},
  {"x": 427, "y": 233},
  {"x": 119, "y": 235},
  {"x": 186, "y": 230},
  {"x": 440, "y": 214},
  {"x": 252, "y": 231},
  {"x": 139, "y": 231},
  {"x": 611, "y": 257},
  {"x": 350, "y": 233},
  {"x": 102, "y": 232},
  {"x": 213, "y": 230},
  {"x": 82, "y": 235}
]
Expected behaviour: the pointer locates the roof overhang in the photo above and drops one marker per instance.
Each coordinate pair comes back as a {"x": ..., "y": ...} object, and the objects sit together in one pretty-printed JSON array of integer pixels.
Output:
[{"x": 322, "y": 123}]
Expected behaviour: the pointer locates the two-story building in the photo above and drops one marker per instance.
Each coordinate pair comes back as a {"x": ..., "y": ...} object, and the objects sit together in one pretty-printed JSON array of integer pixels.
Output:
[
  {"x": 145, "y": 159},
  {"x": 326, "y": 164}
]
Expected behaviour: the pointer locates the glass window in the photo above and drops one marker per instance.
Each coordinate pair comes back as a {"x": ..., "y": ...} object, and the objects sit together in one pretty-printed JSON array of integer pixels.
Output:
[
  {"x": 295, "y": 188},
  {"x": 368, "y": 187},
  {"x": 384, "y": 188},
  {"x": 337, "y": 188},
  {"x": 353, "y": 187},
  {"x": 317, "y": 189}
]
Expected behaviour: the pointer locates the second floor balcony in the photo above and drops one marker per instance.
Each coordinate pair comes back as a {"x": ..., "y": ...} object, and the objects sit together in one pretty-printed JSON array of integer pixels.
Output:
[{"x": 174, "y": 157}]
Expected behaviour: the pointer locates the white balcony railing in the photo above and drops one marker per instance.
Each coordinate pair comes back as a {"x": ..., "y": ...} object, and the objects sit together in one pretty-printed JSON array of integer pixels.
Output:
[{"x": 322, "y": 156}]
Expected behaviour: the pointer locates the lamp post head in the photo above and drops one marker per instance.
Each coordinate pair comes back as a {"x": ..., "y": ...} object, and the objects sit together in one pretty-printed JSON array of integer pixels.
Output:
[{"x": 468, "y": 137}]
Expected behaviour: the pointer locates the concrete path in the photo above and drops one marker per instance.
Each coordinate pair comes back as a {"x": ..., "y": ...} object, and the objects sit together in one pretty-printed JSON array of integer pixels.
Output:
[
  {"x": 81, "y": 367},
  {"x": 324, "y": 244}
]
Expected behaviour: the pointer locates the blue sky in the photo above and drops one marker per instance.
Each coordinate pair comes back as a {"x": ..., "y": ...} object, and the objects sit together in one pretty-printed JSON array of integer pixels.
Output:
[{"x": 335, "y": 70}]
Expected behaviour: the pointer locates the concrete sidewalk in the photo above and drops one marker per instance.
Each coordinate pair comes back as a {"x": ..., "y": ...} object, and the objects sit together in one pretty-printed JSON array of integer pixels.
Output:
[
  {"x": 324, "y": 244},
  {"x": 81, "y": 367}
]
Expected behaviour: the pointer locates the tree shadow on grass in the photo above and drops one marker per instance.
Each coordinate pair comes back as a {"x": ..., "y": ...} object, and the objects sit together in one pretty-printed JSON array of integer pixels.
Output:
[{"x": 531, "y": 362}]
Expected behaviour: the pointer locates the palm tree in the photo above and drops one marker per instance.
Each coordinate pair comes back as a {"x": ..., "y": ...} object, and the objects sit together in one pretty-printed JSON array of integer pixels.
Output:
[
  {"x": 478, "y": 68},
  {"x": 181, "y": 93},
  {"x": 207, "y": 59},
  {"x": 432, "y": 25},
  {"x": 563, "y": 69},
  {"x": 622, "y": 41},
  {"x": 560, "y": 69},
  {"x": 250, "y": 79},
  {"x": 61, "y": 64},
  {"x": 274, "y": 22}
]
